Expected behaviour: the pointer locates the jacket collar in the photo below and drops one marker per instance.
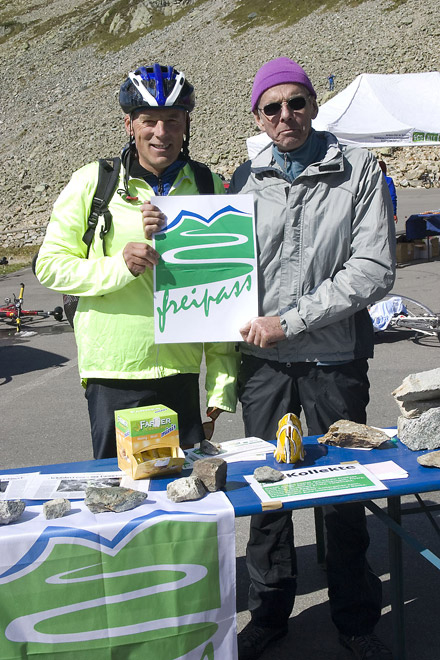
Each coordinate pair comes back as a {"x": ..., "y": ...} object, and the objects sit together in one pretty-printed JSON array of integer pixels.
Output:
[{"x": 332, "y": 161}]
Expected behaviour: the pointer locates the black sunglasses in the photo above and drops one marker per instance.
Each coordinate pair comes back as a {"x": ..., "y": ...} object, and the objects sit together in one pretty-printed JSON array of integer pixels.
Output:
[{"x": 295, "y": 103}]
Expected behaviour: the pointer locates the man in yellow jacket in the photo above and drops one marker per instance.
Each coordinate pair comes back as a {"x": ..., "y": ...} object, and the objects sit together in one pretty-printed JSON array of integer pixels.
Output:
[{"x": 119, "y": 362}]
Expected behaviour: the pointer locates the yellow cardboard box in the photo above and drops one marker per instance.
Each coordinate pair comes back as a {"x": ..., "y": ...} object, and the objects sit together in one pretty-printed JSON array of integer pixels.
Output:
[{"x": 147, "y": 441}]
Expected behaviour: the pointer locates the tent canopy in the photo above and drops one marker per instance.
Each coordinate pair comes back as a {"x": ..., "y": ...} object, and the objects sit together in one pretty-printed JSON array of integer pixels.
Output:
[{"x": 380, "y": 110}]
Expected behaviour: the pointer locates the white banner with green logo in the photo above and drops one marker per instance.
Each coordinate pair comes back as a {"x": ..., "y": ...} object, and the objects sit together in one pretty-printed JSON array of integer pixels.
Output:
[
  {"x": 205, "y": 285},
  {"x": 156, "y": 582}
]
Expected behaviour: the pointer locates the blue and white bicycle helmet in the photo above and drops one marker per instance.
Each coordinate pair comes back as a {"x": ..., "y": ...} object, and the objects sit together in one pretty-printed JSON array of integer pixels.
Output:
[{"x": 156, "y": 86}]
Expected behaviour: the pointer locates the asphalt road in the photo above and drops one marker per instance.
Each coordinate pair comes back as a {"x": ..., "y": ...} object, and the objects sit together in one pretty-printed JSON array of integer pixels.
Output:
[{"x": 44, "y": 420}]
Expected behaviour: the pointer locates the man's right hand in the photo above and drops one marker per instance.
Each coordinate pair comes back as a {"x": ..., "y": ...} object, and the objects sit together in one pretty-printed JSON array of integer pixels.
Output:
[{"x": 139, "y": 256}]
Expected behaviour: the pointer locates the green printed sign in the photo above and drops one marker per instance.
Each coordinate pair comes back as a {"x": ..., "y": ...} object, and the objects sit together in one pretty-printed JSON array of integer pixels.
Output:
[
  {"x": 303, "y": 483},
  {"x": 420, "y": 136},
  {"x": 205, "y": 282},
  {"x": 345, "y": 482}
]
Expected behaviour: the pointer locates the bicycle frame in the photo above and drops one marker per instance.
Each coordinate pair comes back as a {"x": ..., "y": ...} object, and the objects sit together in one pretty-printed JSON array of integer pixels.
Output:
[
  {"x": 415, "y": 317},
  {"x": 427, "y": 325}
]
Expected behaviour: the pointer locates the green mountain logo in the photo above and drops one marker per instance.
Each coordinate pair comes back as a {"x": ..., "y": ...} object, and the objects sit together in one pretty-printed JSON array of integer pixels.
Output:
[
  {"x": 196, "y": 251},
  {"x": 133, "y": 600}
]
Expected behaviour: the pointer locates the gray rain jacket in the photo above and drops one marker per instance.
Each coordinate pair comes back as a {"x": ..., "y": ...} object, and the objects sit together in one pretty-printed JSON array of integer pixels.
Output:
[{"x": 326, "y": 250}]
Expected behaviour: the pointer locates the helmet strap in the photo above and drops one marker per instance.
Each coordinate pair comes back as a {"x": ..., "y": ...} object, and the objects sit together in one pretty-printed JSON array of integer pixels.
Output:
[
  {"x": 127, "y": 158},
  {"x": 185, "y": 145}
]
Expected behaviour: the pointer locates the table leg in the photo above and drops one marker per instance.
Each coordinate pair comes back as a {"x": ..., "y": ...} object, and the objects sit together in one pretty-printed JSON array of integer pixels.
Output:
[
  {"x": 320, "y": 534},
  {"x": 396, "y": 581}
]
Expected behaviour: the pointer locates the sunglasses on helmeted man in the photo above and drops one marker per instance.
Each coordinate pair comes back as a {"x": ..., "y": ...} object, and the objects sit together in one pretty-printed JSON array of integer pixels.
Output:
[{"x": 295, "y": 103}]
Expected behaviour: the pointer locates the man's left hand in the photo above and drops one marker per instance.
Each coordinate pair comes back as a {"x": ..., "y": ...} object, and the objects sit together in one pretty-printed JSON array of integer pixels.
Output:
[{"x": 264, "y": 331}]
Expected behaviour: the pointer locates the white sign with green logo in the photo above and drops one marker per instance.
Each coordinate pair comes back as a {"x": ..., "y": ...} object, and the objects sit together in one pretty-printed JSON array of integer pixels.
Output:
[
  {"x": 205, "y": 285},
  {"x": 305, "y": 483},
  {"x": 155, "y": 582}
]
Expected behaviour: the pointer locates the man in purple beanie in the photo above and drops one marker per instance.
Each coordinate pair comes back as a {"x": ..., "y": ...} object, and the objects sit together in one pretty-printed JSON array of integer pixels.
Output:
[{"x": 325, "y": 235}]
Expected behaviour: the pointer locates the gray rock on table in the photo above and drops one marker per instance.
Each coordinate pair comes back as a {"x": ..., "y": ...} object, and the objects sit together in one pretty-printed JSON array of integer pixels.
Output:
[
  {"x": 115, "y": 499},
  {"x": 418, "y": 393},
  {"x": 266, "y": 474},
  {"x": 56, "y": 508},
  {"x": 212, "y": 472},
  {"x": 422, "y": 432},
  {"x": 186, "y": 489},
  {"x": 422, "y": 386},
  {"x": 432, "y": 459},
  {"x": 344, "y": 433},
  {"x": 11, "y": 510},
  {"x": 210, "y": 448}
]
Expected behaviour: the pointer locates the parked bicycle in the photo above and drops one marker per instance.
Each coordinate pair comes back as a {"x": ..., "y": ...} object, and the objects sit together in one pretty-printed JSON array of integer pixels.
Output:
[
  {"x": 430, "y": 181},
  {"x": 397, "y": 312},
  {"x": 13, "y": 311}
]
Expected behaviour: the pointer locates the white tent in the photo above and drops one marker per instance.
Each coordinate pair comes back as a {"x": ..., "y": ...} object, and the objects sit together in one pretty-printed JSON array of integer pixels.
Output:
[{"x": 380, "y": 110}]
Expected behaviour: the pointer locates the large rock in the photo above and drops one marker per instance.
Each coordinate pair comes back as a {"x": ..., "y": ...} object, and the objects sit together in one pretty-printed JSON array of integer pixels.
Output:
[
  {"x": 344, "y": 433},
  {"x": 432, "y": 459},
  {"x": 186, "y": 489},
  {"x": 265, "y": 474},
  {"x": 420, "y": 433},
  {"x": 212, "y": 472},
  {"x": 141, "y": 18},
  {"x": 11, "y": 510},
  {"x": 418, "y": 393},
  {"x": 56, "y": 508},
  {"x": 111, "y": 498},
  {"x": 423, "y": 386}
]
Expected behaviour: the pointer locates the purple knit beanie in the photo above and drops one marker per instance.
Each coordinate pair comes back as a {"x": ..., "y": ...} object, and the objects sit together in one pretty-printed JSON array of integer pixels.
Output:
[{"x": 276, "y": 72}]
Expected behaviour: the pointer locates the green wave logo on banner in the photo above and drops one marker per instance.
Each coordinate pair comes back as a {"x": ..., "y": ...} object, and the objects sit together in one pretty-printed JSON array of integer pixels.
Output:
[
  {"x": 194, "y": 252},
  {"x": 97, "y": 604}
]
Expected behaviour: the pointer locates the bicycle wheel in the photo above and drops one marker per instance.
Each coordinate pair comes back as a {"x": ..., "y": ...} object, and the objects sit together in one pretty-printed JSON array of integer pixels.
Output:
[{"x": 413, "y": 307}]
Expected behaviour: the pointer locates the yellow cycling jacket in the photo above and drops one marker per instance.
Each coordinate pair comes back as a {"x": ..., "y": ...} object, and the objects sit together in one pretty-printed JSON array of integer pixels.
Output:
[{"x": 114, "y": 325}]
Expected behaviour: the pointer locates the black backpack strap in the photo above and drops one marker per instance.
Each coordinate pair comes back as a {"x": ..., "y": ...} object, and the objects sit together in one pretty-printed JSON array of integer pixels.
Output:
[
  {"x": 203, "y": 177},
  {"x": 108, "y": 177}
]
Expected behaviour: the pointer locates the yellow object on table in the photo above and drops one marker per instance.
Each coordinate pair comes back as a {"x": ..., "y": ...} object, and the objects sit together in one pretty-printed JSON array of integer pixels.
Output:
[{"x": 289, "y": 440}]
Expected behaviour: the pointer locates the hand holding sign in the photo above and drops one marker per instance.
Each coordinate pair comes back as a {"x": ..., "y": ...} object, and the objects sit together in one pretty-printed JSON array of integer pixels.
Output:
[
  {"x": 153, "y": 219},
  {"x": 263, "y": 331}
]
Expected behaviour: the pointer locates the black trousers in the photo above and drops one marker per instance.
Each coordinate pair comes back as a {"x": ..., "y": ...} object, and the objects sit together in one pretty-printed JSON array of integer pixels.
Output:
[
  {"x": 179, "y": 392},
  {"x": 267, "y": 391}
]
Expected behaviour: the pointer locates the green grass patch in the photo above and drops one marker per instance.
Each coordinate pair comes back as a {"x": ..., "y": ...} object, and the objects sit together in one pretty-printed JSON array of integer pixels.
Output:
[
  {"x": 93, "y": 28},
  {"x": 253, "y": 13},
  {"x": 9, "y": 29},
  {"x": 18, "y": 258}
]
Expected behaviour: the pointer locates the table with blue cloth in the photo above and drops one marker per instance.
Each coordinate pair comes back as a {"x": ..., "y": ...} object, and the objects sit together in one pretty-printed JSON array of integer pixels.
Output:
[
  {"x": 421, "y": 225},
  {"x": 245, "y": 501}
]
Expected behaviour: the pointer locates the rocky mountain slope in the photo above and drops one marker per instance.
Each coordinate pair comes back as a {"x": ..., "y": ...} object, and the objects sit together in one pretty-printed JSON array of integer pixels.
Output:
[{"x": 62, "y": 62}]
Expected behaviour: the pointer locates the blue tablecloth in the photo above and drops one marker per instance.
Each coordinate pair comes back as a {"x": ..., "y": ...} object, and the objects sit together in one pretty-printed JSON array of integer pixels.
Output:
[
  {"x": 245, "y": 501},
  {"x": 420, "y": 225}
]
